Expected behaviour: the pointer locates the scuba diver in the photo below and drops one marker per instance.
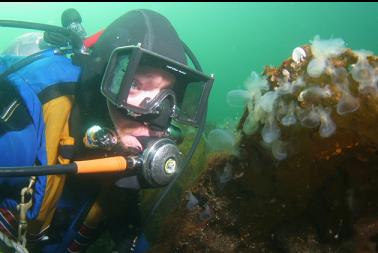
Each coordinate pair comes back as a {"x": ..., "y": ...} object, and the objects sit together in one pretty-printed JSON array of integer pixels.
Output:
[{"x": 82, "y": 135}]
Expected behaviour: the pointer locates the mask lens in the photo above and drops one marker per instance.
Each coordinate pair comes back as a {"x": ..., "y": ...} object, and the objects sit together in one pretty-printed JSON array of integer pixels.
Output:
[{"x": 118, "y": 74}]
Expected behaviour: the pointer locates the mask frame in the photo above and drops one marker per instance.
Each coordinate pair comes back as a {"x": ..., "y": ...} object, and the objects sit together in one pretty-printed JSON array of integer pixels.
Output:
[{"x": 122, "y": 66}]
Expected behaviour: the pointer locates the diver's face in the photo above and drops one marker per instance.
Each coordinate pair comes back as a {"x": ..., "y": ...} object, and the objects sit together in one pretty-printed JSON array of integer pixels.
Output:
[{"x": 148, "y": 82}]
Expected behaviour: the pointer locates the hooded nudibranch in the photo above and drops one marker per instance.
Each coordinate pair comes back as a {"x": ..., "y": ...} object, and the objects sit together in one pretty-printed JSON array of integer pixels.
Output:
[{"x": 308, "y": 93}]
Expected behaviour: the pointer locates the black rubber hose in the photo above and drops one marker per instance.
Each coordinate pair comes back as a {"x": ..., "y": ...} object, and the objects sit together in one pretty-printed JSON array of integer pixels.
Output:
[
  {"x": 35, "y": 26},
  {"x": 77, "y": 43},
  {"x": 192, "y": 57},
  {"x": 56, "y": 39},
  {"x": 38, "y": 170}
]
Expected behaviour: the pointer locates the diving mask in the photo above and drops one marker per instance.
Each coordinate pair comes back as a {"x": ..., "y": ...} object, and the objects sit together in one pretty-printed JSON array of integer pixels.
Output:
[{"x": 127, "y": 84}]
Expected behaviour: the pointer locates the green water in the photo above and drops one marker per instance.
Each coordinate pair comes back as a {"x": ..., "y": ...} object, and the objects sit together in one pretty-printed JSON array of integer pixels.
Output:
[{"x": 229, "y": 39}]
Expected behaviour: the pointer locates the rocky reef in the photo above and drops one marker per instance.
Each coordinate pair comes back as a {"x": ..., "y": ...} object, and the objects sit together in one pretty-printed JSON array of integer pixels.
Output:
[{"x": 304, "y": 173}]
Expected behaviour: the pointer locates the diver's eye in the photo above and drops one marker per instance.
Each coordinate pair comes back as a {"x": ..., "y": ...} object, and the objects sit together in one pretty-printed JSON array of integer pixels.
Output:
[{"x": 134, "y": 84}]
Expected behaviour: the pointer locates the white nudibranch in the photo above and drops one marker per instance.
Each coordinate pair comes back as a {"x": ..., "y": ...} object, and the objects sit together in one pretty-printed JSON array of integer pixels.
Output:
[
  {"x": 314, "y": 91},
  {"x": 237, "y": 98},
  {"x": 286, "y": 74},
  {"x": 206, "y": 214},
  {"x": 267, "y": 101},
  {"x": 258, "y": 112},
  {"x": 254, "y": 85},
  {"x": 220, "y": 139},
  {"x": 250, "y": 125},
  {"x": 298, "y": 55},
  {"x": 362, "y": 54},
  {"x": 316, "y": 67},
  {"x": 270, "y": 131},
  {"x": 347, "y": 104},
  {"x": 278, "y": 150},
  {"x": 321, "y": 51},
  {"x": 289, "y": 119},
  {"x": 324, "y": 49},
  {"x": 280, "y": 109},
  {"x": 315, "y": 117},
  {"x": 255, "y": 82},
  {"x": 308, "y": 118},
  {"x": 297, "y": 84},
  {"x": 192, "y": 201},
  {"x": 339, "y": 75},
  {"x": 327, "y": 126},
  {"x": 363, "y": 72},
  {"x": 226, "y": 175},
  {"x": 284, "y": 89}
]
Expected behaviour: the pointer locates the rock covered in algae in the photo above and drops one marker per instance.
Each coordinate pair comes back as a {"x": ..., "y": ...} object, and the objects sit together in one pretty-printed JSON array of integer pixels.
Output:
[
  {"x": 313, "y": 123},
  {"x": 305, "y": 179},
  {"x": 328, "y": 90}
]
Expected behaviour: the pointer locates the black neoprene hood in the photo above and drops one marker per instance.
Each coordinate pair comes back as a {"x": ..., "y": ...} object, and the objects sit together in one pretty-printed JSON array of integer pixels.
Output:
[{"x": 147, "y": 27}]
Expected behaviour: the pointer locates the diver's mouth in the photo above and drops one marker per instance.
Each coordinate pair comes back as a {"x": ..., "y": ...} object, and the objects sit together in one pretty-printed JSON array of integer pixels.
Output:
[
  {"x": 129, "y": 141},
  {"x": 129, "y": 130}
]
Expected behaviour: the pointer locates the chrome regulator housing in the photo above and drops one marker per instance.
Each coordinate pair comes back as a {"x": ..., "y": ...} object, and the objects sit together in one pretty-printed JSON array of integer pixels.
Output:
[{"x": 161, "y": 162}]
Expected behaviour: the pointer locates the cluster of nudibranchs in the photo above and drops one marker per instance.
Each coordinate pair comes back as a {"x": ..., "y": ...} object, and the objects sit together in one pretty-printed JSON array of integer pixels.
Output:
[{"x": 318, "y": 80}]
